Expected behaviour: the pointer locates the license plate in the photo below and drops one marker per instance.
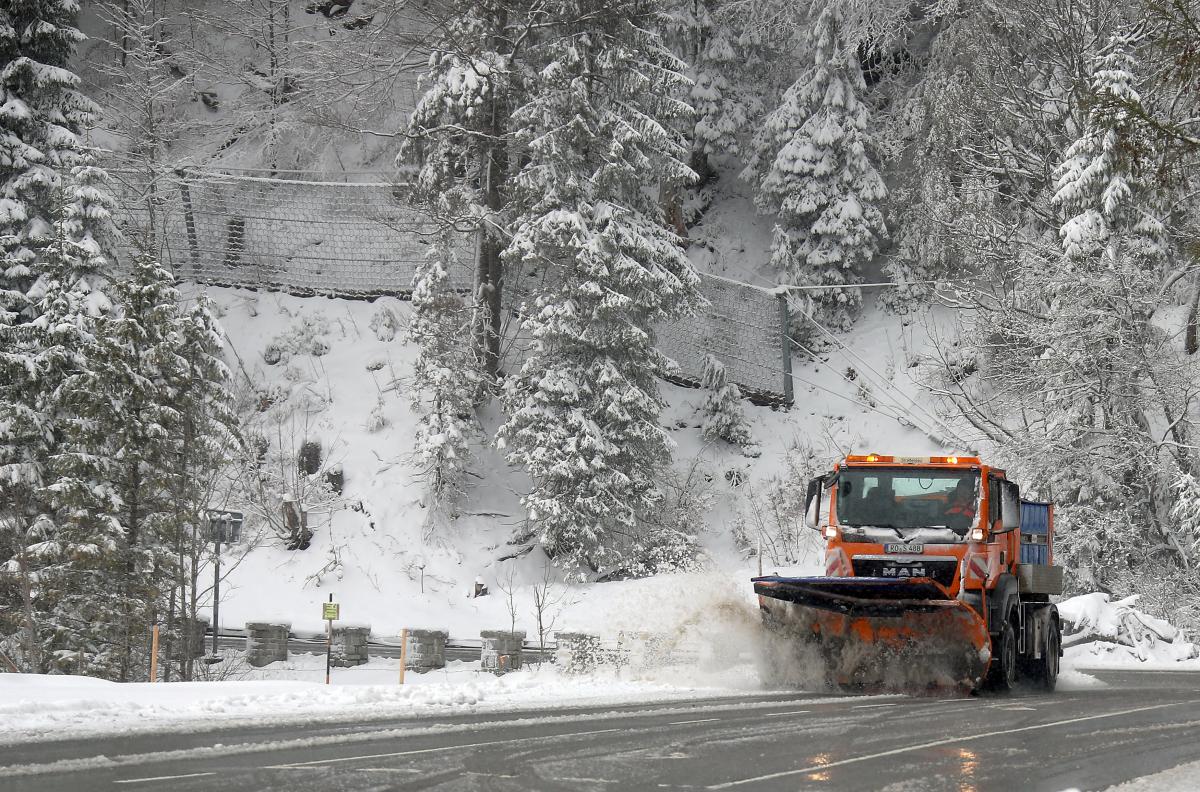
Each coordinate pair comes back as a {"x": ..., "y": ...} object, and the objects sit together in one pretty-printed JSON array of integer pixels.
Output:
[{"x": 903, "y": 548}]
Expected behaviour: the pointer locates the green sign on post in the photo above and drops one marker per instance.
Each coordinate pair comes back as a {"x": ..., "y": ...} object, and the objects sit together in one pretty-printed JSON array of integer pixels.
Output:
[{"x": 329, "y": 610}]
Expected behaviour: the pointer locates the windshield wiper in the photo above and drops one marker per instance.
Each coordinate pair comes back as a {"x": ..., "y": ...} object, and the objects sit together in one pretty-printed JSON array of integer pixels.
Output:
[{"x": 895, "y": 528}]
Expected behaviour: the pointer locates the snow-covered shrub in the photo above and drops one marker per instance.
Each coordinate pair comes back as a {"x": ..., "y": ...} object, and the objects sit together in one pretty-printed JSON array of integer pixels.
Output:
[
  {"x": 272, "y": 354},
  {"x": 774, "y": 510},
  {"x": 376, "y": 420},
  {"x": 309, "y": 458},
  {"x": 447, "y": 375},
  {"x": 384, "y": 323},
  {"x": 304, "y": 337},
  {"x": 279, "y": 466},
  {"x": 722, "y": 408},
  {"x": 1186, "y": 512}
]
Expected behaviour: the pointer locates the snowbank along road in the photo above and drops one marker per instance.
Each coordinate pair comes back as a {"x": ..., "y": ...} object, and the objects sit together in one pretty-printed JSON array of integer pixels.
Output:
[{"x": 1137, "y": 724}]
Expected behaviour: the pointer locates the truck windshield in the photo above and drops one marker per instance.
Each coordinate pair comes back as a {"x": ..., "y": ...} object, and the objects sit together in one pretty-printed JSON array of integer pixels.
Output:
[{"x": 907, "y": 498}]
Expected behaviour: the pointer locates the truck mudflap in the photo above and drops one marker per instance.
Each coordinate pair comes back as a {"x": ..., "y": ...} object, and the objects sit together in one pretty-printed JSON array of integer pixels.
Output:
[{"x": 880, "y": 631}]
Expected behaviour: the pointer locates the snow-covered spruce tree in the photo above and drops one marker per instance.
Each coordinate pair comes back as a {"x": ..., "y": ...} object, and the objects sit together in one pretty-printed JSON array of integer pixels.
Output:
[
  {"x": 722, "y": 408},
  {"x": 57, "y": 549},
  {"x": 583, "y": 410},
  {"x": 719, "y": 63},
  {"x": 44, "y": 161},
  {"x": 812, "y": 161},
  {"x": 121, "y": 431},
  {"x": 447, "y": 373},
  {"x": 460, "y": 134},
  {"x": 206, "y": 438}
]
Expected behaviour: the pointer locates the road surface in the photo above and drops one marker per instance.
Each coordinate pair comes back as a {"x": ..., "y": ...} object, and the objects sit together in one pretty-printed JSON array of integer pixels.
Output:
[{"x": 1140, "y": 723}]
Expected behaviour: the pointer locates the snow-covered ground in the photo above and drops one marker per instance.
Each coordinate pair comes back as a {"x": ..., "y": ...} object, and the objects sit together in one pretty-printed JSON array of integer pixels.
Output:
[
  {"x": 40, "y": 707},
  {"x": 1106, "y": 634},
  {"x": 1182, "y": 778},
  {"x": 55, "y": 707}
]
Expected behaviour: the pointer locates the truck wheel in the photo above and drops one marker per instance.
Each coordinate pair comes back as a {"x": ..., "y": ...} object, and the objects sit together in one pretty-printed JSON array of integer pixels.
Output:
[
  {"x": 1002, "y": 672},
  {"x": 1047, "y": 675}
]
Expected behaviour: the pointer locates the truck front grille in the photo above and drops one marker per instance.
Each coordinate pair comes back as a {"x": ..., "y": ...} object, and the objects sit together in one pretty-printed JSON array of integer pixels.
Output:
[{"x": 941, "y": 570}]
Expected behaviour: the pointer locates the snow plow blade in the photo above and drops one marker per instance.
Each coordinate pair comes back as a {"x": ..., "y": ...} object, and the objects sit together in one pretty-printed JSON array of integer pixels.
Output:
[{"x": 907, "y": 633}]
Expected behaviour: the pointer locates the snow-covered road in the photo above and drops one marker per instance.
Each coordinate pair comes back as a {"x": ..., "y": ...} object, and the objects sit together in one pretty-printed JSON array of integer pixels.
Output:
[{"x": 1134, "y": 725}]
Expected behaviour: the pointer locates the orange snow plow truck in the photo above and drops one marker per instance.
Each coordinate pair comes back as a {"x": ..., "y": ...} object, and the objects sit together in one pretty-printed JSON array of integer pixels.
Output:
[{"x": 937, "y": 574}]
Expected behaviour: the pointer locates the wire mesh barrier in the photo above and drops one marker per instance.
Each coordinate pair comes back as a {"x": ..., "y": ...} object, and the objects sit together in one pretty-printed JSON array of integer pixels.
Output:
[
  {"x": 743, "y": 326},
  {"x": 311, "y": 235}
]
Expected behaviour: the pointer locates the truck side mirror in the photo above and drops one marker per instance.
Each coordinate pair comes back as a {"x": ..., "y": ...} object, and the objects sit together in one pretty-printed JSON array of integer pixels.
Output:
[
  {"x": 812, "y": 503},
  {"x": 1010, "y": 506}
]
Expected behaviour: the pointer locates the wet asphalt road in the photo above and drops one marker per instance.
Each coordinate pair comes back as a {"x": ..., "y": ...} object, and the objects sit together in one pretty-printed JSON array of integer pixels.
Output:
[{"x": 1087, "y": 738}]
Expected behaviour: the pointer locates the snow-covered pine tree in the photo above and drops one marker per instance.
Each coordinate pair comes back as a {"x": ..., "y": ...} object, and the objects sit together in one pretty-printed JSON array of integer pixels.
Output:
[
  {"x": 583, "y": 410},
  {"x": 722, "y": 408},
  {"x": 812, "y": 161},
  {"x": 1100, "y": 305},
  {"x": 44, "y": 160},
  {"x": 460, "y": 134},
  {"x": 1101, "y": 186},
  {"x": 447, "y": 372}
]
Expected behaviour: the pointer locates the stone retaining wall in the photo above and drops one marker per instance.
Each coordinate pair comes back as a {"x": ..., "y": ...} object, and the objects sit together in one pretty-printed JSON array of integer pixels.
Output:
[
  {"x": 502, "y": 650},
  {"x": 266, "y": 642},
  {"x": 350, "y": 646},
  {"x": 426, "y": 650}
]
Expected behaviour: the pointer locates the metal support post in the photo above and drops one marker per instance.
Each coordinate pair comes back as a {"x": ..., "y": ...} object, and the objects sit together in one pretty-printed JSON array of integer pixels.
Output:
[{"x": 216, "y": 625}]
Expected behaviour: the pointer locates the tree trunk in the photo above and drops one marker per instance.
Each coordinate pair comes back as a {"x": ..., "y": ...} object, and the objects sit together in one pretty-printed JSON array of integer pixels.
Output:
[
  {"x": 33, "y": 655},
  {"x": 1191, "y": 342},
  {"x": 494, "y": 162}
]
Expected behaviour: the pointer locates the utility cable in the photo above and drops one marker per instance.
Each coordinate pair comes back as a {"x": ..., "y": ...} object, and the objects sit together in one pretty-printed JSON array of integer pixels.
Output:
[
  {"x": 885, "y": 385},
  {"x": 901, "y": 416}
]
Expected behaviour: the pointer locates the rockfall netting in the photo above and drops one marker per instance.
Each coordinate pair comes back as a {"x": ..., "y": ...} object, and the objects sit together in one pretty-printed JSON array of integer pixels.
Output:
[{"x": 308, "y": 233}]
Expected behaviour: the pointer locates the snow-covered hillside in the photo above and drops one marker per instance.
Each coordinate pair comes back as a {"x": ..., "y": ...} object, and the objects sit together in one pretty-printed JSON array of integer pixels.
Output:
[{"x": 382, "y": 541}]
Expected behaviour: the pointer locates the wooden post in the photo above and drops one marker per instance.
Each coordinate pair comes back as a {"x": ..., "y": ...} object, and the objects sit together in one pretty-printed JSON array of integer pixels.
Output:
[
  {"x": 403, "y": 652},
  {"x": 154, "y": 654}
]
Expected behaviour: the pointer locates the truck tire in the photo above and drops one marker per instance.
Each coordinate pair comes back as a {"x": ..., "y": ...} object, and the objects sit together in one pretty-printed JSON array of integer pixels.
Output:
[
  {"x": 1047, "y": 672},
  {"x": 1002, "y": 671}
]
